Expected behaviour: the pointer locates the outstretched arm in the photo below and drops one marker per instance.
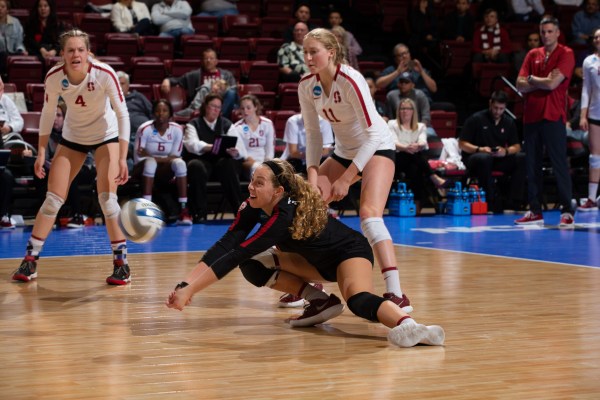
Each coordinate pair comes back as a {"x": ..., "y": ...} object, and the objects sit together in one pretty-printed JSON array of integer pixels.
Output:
[{"x": 199, "y": 278}]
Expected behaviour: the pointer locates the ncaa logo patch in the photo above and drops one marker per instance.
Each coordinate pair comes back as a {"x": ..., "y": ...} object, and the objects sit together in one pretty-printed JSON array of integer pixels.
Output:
[
  {"x": 65, "y": 83},
  {"x": 246, "y": 129},
  {"x": 317, "y": 91}
]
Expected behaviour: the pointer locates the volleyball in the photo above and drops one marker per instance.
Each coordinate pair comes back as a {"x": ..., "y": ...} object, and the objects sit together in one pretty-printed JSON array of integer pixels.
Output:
[{"x": 141, "y": 220}]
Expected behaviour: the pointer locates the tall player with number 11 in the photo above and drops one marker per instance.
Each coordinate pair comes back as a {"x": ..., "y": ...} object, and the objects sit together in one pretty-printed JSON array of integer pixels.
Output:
[
  {"x": 364, "y": 146},
  {"x": 89, "y": 88}
]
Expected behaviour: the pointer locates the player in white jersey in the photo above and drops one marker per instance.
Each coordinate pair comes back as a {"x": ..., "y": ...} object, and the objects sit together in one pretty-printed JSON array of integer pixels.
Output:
[
  {"x": 256, "y": 133},
  {"x": 364, "y": 145},
  {"x": 294, "y": 137},
  {"x": 97, "y": 120},
  {"x": 157, "y": 152},
  {"x": 590, "y": 120}
]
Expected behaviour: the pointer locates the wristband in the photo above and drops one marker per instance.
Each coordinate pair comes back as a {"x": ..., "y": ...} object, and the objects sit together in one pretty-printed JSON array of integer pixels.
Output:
[
  {"x": 181, "y": 285},
  {"x": 506, "y": 152},
  {"x": 477, "y": 149}
]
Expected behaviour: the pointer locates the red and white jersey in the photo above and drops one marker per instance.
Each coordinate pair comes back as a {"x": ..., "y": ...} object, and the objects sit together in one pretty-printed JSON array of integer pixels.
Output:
[
  {"x": 259, "y": 144},
  {"x": 90, "y": 118},
  {"x": 157, "y": 145},
  {"x": 359, "y": 130},
  {"x": 590, "y": 93}
]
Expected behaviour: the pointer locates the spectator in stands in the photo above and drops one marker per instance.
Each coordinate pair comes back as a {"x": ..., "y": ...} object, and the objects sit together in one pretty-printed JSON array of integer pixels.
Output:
[
  {"x": 527, "y": 10},
  {"x": 132, "y": 16},
  {"x": 302, "y": 14},
  {"x": 490, "y": 142},
  {"x": 533, "y": 41},
  {"x": 140, "y": 111},
  {"x": 350, "y": 54},
  {"x": 590, "y": 121},
  {"x": 379, "y": 105},
  {"x": 218, "y": 86},
  {"x": 459, "y": 24},
  {"x": 205, "y": 75},
  {"x": 491, "y": 42},
  {"x": 218, "y": 8},
  {"x": 352, "y": 46},
  {"x": 404, "y": 63},
  {"x": 173, "y": 17},
  {"x": 10, "y": 117},
  {"x": 411, "y": 146},
  {"x": 406, "y": 89},
  {"x": 42, "y": 30},
  {"x": 11, "y": 35},
  {"x": 501, "y": 6},
  {"x": 290, "y": 56},
  {"x": 568, "y": 2},
  {"x": 86, "y": 175},
  {"x": 256, "y": 132},
  {"x": 157, "y": 155},
  {"x": 585, "y": 22},
  {"x": 204, "y": 164},
  {"x": 294, "y": 137},
  {"x": 423, "y": 24},
  {"x": 544, "y": 79}
]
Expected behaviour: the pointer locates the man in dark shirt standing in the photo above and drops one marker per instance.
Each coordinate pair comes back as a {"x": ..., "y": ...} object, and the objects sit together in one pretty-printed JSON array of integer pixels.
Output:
[
  {"x": 490, "y": 142},
  {"x": 544, "y": 79}
]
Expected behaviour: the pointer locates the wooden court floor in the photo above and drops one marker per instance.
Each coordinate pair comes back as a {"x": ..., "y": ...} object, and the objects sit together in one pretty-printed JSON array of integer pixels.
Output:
[{"x": 515, "y": 329}]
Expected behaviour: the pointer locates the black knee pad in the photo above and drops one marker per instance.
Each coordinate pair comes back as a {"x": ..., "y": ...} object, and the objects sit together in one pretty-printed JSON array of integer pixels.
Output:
[
  {"x": 365, "y": 305},
  {"x": 256, "y": 273}
]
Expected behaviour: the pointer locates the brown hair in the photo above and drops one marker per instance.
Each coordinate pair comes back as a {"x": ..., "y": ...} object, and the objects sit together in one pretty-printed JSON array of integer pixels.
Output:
[
  {"x": 209, "y": 97},
  {"x": 311, "y": 212},
  {"x": 254, "y": 101}
]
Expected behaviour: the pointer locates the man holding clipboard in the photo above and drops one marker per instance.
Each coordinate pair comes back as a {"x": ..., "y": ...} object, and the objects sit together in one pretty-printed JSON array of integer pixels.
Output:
[{"x": 211, "y": 155}]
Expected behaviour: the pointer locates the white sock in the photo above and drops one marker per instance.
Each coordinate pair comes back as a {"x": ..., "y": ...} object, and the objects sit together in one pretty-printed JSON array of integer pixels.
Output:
[
  {"x": 592, "y": 190},
  {"x": 391, "y": 277},
  {"x": 148, "y": 197},
  {"x": 309, "y": 293}
]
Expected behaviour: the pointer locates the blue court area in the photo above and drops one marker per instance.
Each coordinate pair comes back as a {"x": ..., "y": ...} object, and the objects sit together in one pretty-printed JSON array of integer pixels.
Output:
[{"x": 482, "y": 234}]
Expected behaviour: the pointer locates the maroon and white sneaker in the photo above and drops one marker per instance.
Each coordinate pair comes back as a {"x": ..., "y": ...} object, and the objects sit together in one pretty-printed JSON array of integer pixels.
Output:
[
  {"x": 6, "y": 223},
  {"x": 27, "y": 270},
  {"x": 566, "y": 221},
  {"x": 589, "y": 205},
  {"x": 121, "y": 274},
  {"x": 289, "y": 300},
  {"x": 530, "y": 219},
  {"x": 318, "y": 311},
  {"x": 402, "y": 302},
  {"x": 184, "y": 218}
]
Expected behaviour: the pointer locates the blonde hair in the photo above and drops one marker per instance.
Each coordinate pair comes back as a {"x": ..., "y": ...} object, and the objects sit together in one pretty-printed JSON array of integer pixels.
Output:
[
  {"x": 71, "y": 33},
  {"x": 330, "y": 42},
  {"x": 415, "y": 117},
  {"x": 311, "y": 212}
]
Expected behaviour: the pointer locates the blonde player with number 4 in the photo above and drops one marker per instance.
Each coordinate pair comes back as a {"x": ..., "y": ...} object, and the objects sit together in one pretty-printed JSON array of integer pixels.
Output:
[
  {"x": 364, "y": 146},
  {"x": 97, "y": 120}
]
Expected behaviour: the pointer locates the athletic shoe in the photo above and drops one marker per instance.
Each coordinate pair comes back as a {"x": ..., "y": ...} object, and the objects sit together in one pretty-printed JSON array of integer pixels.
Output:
[
  {"x": 121, "y": 274},
  {"x": 589, "y": 205},
  {"x": 530, "y": 219},
  {"x": 402, "y": 302},
  {"x": 184, "y": 218},
  {"x": 6, "y": 223},
  {"x": 409, "y": 334},
  {"x": 289, "y": 300},
  {"x": 566, "y": 221},
  {"x": 27, "y": 270},
  {"x": 318, "y": 311},
  {"x": 333, "y": 213},
  {"x": 75, "y": 222}
]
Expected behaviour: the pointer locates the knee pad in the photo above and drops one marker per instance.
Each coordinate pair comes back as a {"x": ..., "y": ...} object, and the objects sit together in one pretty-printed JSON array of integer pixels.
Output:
[
  {"x": 109, "y": 205},
  {"x": 594, "y": 161},
  {"x": 365, "y": 305},
  {"x": 257, "y": 274},
  {"x": 149, "y": 167},
  {"x": 374, "y": 230},
  {"x": 268, "y": 258},
  {"x": 178, "y": 167},
  {"x": 52, "y": 204}
]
